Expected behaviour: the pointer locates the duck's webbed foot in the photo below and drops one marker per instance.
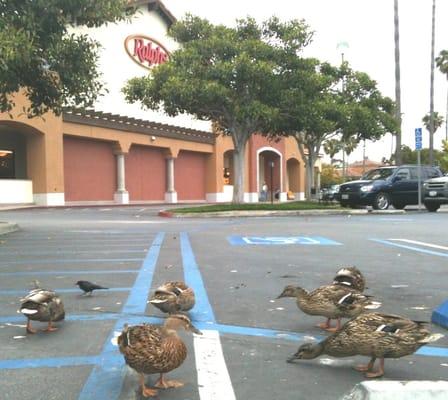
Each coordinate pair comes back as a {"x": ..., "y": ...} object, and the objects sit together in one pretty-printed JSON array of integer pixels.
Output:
[
  {"x": 379, "y": 372},
  {"x": 165, "y": 384},
  {"x": 50, "y": 328},
  {"x": 366, "y": 367},
  {"x": 146, "y": 391},
  {"x": 29, "y": 329},
  {"x": 325, "y": 325}
]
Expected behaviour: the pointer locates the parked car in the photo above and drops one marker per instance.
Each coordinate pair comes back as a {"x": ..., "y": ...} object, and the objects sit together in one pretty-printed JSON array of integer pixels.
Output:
[
  {"x": 381, "y": 187},
  {"x": 435, "y": 193},
  {"x": 329, "y": 193}
]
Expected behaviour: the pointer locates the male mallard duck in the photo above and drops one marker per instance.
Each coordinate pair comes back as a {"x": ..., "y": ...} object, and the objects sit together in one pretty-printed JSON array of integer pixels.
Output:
[
  {"x": 151, "y": 349},
  {"x": 42, "y": 305},
  {"x": 351, "y": 277},
  {"x": 375, "y": 335},
  {"x": 331, "y": 301},
  {"x": 173, "y": 297}
]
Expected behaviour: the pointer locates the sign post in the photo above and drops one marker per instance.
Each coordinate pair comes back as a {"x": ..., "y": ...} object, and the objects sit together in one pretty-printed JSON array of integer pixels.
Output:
[{"x": 418, "y": 147}]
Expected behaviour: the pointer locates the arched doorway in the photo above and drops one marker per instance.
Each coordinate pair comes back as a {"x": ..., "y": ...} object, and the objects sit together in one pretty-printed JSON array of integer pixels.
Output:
[
  {"x": 293, "y": 179},
  {"x": 21, "y": 162},
  {"x": 270, "y": 173},
  {"x": 228, "y": 175}
]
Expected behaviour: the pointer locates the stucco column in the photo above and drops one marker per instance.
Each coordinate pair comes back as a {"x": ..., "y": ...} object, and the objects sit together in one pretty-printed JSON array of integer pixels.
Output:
[
  {"x": 170, "y": 194},
  {"x": 121, "y": 196}
]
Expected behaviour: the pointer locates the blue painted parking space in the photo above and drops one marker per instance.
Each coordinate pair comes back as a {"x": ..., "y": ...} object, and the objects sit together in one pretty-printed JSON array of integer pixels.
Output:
[
  {"x": 281, "y": 240},
  {"x": 416, "y": 246}
]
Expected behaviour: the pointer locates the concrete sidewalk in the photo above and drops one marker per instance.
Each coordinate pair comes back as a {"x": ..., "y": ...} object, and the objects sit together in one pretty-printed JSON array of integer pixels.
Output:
[{"x": 7, "y": 227}]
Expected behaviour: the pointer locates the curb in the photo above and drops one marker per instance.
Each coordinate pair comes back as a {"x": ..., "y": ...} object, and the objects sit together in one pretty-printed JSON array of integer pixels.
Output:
[
  {"x": 440, "y": 316},
  {"x": 403, "y": 390},
  {"x": 275, "y": 213},
  {"x": 6, "y": 227}
]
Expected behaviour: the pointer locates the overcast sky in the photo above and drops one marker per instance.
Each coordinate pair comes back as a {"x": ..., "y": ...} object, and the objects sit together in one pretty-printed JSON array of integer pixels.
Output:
[{"x": 368, "y": 28}]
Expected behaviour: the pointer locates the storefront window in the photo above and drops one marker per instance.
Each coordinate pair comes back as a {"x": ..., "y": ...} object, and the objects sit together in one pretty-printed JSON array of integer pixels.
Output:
[{"x": 7, "y": 164}]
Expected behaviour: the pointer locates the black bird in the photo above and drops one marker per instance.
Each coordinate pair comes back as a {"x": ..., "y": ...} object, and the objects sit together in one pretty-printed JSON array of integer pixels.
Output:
[{"x": 89, "y": 287}]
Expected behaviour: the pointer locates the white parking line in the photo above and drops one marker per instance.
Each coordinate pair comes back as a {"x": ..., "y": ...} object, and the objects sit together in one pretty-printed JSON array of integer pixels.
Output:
[
  {"x": 434, "y": 246},
  {"x": 213, "y": 377}
]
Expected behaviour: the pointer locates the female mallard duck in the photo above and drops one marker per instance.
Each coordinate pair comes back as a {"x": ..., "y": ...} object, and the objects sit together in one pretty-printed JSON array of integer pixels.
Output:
[
  {"x": 351, "y": 277},
  {"x": 42, "y": 305},
  {"x": 375, "y": 335},
  {"x": 173, "y": 297},
  {"x": 151, "y": 349},
  {"x": 331, "y": 301}
]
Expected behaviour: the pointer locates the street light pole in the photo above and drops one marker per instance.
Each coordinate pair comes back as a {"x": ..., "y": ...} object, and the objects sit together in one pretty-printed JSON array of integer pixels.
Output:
[{"x": 271, "y": 164}]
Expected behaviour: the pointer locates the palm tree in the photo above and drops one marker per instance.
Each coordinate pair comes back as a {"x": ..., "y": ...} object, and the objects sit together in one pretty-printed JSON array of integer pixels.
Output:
[
  {"x": 442, "y": 64},
  {"x": 332, "y": 147},
  {"x": 437, "y": 121},
  {"x": 397, "y": 85},
  {"x": 431, "y": 96}
]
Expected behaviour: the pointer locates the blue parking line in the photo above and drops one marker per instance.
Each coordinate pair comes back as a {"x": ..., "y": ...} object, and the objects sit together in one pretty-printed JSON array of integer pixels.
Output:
[
  {"x": 202, "y": 310},
  {"x": 71, "y": 261},
  {"x": 83, "y": 272},
  {"x": 25, "y": 292},
  {"x": 404, "y": 246},
  {"x": 106, "y": 379},
  {"x": 53, "y": 362}
]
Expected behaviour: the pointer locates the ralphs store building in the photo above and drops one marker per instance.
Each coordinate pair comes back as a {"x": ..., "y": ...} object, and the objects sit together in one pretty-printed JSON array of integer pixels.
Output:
[{"x": 118, "y": 153}]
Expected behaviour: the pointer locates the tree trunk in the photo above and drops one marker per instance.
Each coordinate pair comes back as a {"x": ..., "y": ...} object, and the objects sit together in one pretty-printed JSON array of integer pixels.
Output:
[
  {"x": 397, "y": 85},
  {"x": 239, "y": 170},
  {"x": 309, "y": 176},
  {"x": 431, "y": 95}
]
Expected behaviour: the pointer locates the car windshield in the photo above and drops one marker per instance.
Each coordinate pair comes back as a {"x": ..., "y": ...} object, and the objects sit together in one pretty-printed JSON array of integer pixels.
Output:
[{"x": 380, "y": 173}]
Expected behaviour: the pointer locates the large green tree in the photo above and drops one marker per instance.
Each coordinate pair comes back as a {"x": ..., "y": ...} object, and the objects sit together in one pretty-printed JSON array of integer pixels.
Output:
[
  {"x": 356, "y": 113},
  {"x": 230, "y": 76},
  {"x": 39, "y": 55}
]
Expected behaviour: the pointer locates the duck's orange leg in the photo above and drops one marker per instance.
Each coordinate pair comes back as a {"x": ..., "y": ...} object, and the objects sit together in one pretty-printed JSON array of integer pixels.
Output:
[
  {"x": 366, "y": 367},
  {"x": 146, "y": 391},
  {"x": 28, "y": 327},
  {"x": 50, "y": 327},
  {"x": 164, "y": 384},
  {"x": 336, "y": 328},
  {"x": 325, "y": 325},
  {"x": 379, "y": 372}
]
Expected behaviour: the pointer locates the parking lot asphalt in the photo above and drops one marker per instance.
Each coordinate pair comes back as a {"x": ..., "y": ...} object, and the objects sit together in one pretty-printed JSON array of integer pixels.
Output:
[{"x": 237, "y": 267}]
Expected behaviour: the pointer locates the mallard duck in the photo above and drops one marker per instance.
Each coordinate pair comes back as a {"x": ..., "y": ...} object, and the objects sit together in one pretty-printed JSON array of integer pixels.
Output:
[
  {"x": 172, "y": 297},
  {"x": 42, "y": 305},
  {"x": 375, "y": 335},
  {"x": 331, "y": 301},
  {"x": 351, "y": 277},
  {"x": 151, "y": 349}
]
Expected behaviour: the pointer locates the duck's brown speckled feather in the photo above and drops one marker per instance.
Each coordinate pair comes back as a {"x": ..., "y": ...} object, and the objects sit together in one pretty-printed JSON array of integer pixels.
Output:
[
  {"x": 47, "y": 303},
  {"x": 362, "y": 336},
  {"x": 172, "y": 297},
  {"x": 326, "y": 301},
  {"x": 151, "y": 349}
]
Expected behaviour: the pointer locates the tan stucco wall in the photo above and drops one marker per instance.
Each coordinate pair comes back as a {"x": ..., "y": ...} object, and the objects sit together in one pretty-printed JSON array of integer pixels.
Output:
[{"x": 44, "y": 146}]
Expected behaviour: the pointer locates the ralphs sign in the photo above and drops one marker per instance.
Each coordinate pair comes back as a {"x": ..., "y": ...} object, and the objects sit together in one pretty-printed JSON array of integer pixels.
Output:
[{"x": 145, "y": 51}]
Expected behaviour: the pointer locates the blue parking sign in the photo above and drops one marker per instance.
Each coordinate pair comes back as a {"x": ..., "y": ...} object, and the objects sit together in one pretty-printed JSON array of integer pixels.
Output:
[{"x": 418, "y": 138}]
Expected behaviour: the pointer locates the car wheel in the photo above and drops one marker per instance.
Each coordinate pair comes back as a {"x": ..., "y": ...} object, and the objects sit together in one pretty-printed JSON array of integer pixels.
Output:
[
  {"x": 381, "y": 201},
  {"x": 432, "y": 207},
  {"x": 399, "y": 206}
]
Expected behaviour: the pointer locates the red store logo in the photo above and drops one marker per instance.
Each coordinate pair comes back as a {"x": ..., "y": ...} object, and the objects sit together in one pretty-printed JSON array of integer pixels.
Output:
[{"x": 145, "y": 51}]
